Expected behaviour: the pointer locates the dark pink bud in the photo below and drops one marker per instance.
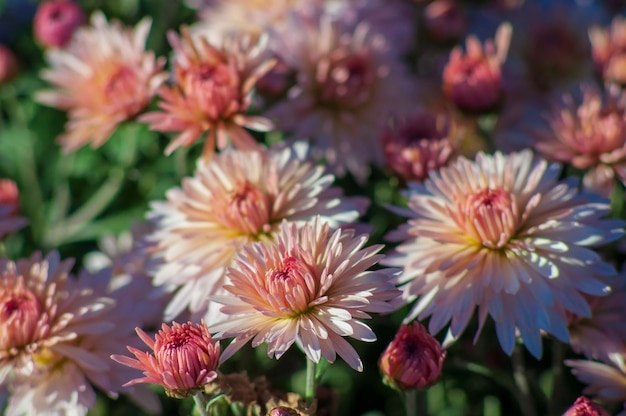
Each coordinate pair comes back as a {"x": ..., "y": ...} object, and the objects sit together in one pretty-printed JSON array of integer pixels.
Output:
[
  {"x": 8, "y": 64},
  {"x": 585, "y": 407},
  {"x": 55, "y": 22}
]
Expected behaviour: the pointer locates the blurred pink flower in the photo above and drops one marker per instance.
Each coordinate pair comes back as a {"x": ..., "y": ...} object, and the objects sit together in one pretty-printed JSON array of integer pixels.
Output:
[
  {"x": 608, "y": 48},
  {"x": 56, "y": 334},
  {"x": 311, "y": 286},
  {"x": 236, "y": 199},
  {"x": 212, "y": 93},
  {"x": 416, "y": 144},
  {"x": 413, "y": 360},
  {"x": 585, "y": 407},
  {"x": 55, "y": 22},
  {"x": 605, "y": 381},
  {"x": 10, "y": 220},
  {"x": 348, "y": 82},
  {"x": 103, "y": 77},
  {"x": 501, "y": 233},
  {"x": 473, "y": 80},
  {"x": 590, "y": 134},
  {"x": 8, "y": 64},
  {"x": 184, "y": 358}
]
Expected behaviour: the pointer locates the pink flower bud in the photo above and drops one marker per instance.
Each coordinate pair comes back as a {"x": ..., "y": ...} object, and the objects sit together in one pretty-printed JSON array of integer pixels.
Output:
[
  {"x": 8, "y": 64},
  {"x": 184, "y": 359},
  {"x": 585, "y": 407},
  {"x": 413, "y": 360},
  {"x": 9, "y": 196},
  {"x": 55, "y": 22}
]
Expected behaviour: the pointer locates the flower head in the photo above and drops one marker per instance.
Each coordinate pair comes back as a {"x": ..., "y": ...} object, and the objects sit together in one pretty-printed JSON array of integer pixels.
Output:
[
  {"x": 608, "y": 48},
  {"x": 348, "y": 82},
  {"x": 585, "y": 407},
  {"x": 590, "y": 134},
  {"x": 184, "y": 358},
  {"x": 8, "y": 64},
  {"x": 212, "y": 92},
  {"x": 311, "y": 286},
  {"x": 103, "y": 77},
  {"x": 55, "y": 22},
  {"x": 10, "y": 220},
  {"x": 236, "y": 199},
  {"x": 501, "y": 233},
  {"x": 414, "y": 145},
  {"x": 473, "y": 80},
  {"x": 413, "y": 360}
]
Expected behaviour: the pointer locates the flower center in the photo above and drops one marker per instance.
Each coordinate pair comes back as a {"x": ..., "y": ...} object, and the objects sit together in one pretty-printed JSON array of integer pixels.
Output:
[
  {"x": 19, "y": 314},
  {"x": 490, "y": 217},
  {"x": 292, "y": 287},
  {"x": 214, "y": 87},
  {"x": 248, "y": 210},
  {"x": 345, "y": 80}
]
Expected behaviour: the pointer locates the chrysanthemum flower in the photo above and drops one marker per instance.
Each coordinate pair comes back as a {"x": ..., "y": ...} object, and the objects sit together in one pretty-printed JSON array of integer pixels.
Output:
[
  {"x": 348, "y": 83},
  {"x": 605, "y": 381},
  {"x": 418, "y": 143},
  {"x": 311, "y": 286},
  {"x": 212, "y": 92},
  {"x": 56, "y": 335},
  {"x": 413, "y": 360},
  {"x": 184, "y": 358},
  {"x": 55, "y": 22},
  {"x": 473, "y": 80},
  {"x": 608, "y": 47},
  {"x": 503, "y": 234},
  {"x": 591, "y": 135},
  {"x": 9, "y": 208},
  {"x": 103, "y": 77},
  {"x": 236, "y": 199}
]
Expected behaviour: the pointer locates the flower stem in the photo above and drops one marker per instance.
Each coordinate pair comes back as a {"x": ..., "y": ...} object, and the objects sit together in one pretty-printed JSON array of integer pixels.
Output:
[
  {"x": 201, "y": 403},
  {"x": 558, "y": 354},
  {"x": 309, "y": 390},
  {"x": 415, "y": 402},
  {"x": 526, "y": 401}
]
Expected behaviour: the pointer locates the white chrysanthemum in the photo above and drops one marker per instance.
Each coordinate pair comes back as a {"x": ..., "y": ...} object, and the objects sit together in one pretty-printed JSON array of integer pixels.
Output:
[
  {"x": 503, "y": 234},
  {"x": 238, "y": 198}
]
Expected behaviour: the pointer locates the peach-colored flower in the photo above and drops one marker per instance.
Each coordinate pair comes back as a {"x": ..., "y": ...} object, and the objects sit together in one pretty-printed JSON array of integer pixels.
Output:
[
  {"x": 8, "y": 64},
  {"x": 590, "y": 134},
  {"x": 236, "y": 199},
  {"x": 184, "y": 358},
  {"x": 605, "y": 381},
  {"x": 348, "y": 83},
  {"x": 55, "y": 22},
  {"x": 608, "y": 48},
  {"x": 10, "y": 220},
  {"x": 311, "y": 286},
  {"x": 212, "y": 92},
  {"x": 103, "y": 77},
  {"x": 56, "y": 334},
  {"x": 413, "y": 360},
  {"x": 585, "y": 407},
  {"x": 501, "y": 233},
  {"x": 473, "y": 80},
  {"x": 417, "y": 144}
]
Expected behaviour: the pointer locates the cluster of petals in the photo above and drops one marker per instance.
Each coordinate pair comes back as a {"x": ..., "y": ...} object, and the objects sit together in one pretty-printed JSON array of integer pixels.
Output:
[
  {"x": 504, "y": 235},
  {"x": 236, "y": 199},
  {"x": 103, "y": 77},
  {"x": 212, "y": 92},
  {"x": 590, "y": 134},
  {"x": 348, "y": 82},
  {"x": 56, "y": 335},
  {"x": 608, "y": 48},
  {"x": 184, "y": 358},
  {"x": 311, "y": 286},
  {"x": 10, "y": 219},
  {"x": 413, "y": 359},
  {"x": 472, "y": 80}
]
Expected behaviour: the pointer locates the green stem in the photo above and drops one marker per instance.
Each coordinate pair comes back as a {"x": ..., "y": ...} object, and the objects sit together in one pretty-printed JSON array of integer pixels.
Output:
[
  {"x": 410, "y": 402},
  {"x": 558, "y": 354},
  {"x": 526, "y": 403},
  {"x": 309, "y": 390},
  {"x": 201, "y": 403}
]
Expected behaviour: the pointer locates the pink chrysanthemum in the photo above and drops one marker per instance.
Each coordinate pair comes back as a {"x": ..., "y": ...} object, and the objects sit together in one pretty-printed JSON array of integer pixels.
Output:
[
  {"x": 502, "y": 234},
  {"x": 348, "y": 84},
  {"x": 56, "y": 335},
  {"x": 212, "y": 92},
  {"x": 605, "y": 381},
  {"x": 473, "y": 80},
  {"x": 10, "y": 220},
  {"x": 103, "y": 77},
  {"x": 236, "y": 199},
  {"x": 311, "y": 286},
  {"x": 608, "y": 47},
  {"x": 591, "y": 135},
  {"x": 184, "y": 358}
]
